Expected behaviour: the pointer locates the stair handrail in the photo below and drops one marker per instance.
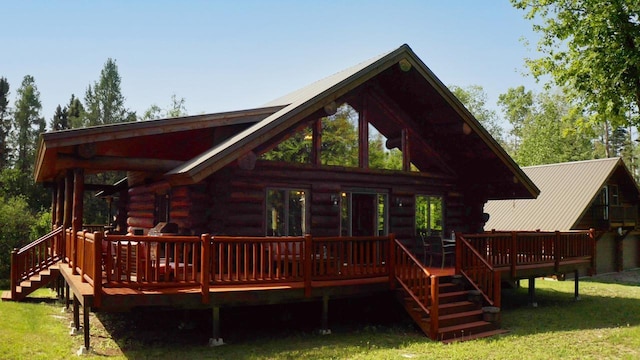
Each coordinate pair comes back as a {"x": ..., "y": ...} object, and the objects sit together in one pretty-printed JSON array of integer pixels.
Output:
[
  {"x": 21, "y": 269},
  {"x": 492, "y": 283},
  {"x": 406, "y": 263}
]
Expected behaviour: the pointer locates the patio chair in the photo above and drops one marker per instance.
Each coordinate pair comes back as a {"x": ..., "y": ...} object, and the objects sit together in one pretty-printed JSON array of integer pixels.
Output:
[{"x": 437, "y": 246}]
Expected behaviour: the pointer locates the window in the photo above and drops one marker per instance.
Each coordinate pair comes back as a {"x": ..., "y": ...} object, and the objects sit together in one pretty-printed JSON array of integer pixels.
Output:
[
  {"x": 363, "y": 214},
  {"x": 603, "y": 203},
  {"x": 286, "y": 212},
  {"x": 429, "y": 215},
  {"x": 161, "y": 209}
]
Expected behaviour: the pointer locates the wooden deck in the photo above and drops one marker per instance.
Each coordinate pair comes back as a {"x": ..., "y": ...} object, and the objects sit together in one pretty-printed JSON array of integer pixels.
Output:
[{"x": 118, "y": 273}]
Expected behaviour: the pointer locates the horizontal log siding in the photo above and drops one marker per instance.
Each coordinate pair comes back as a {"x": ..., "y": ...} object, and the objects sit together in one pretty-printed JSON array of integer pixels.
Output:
[
  {"x": 188, "y": 207},
  {"x": 238, "y": 197}
]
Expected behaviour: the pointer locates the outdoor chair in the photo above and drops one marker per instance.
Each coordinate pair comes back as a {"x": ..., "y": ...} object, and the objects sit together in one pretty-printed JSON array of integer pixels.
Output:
[{"x": 438, "y": 247}]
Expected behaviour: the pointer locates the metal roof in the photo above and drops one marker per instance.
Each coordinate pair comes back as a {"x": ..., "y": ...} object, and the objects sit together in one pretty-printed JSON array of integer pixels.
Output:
[
  {"x": 312, "y": 98},
  {"x": 566, "y": 191}
]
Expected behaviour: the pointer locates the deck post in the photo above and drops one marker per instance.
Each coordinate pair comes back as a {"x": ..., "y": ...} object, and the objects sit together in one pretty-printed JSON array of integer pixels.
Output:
[
  {"x": 556, "y": 254},
  {"x": 76, "y": 224},
  {"x": 76, "y": 316},
  {"x": 216, "y": 338},
  {"x": 392, "y": 261},
  {"x": 576, "y": 285},
  {"x": 324, "y": 330},
  {"x": 67, "y": 208},
  {"x": 205, "y": 275},
  {"x": 67, "y": 297},
  {"x": 60, "y": 204},
  {"x": 307, "y": 264},
  {"x": 85, "y": 315},
  {"x": 435, "y": 307},
  {"x": 532, "y": 292},
  {"x": 15, "y": 282},
  {"x": 514, "y": 253},
  {"x": 97, "y": 268}
]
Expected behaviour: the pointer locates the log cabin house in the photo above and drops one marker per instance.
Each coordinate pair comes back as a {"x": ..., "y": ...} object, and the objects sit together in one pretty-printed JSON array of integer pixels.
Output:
[
  {"x": 276, "y": 204},
  {"x": 600, "y": 194}
]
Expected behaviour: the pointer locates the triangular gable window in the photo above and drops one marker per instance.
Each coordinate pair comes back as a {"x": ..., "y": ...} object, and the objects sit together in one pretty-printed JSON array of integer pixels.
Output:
[{"x": 336, "y": 141}]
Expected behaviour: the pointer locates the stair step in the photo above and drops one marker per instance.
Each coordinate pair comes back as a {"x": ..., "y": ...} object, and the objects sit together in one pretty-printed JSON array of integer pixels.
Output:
[
  {"x": 481, "y": 335},
  {"x": 464, "y": 330},
  {"x": 454, "y": 296},
  {"x": 456, "y": 307},
  {"x": 459, "y": 318},
  {"x": 6, "y": 296},
  {"x": 448, "y": 287}
]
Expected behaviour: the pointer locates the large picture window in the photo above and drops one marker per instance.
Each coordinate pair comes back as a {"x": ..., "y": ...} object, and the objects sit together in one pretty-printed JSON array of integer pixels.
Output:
[
  {"x": 286, "y": 212},
  {"x": 429, "y": 215}
]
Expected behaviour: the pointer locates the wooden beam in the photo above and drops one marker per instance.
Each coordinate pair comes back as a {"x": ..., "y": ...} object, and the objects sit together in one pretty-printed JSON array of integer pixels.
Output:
[
  {"x": 406, "y": 153},
  {"x": 317, "y": 142},
  {"x": 117, "y": 163},
  {"x": 68, "y": 199},
  {"x": 363, "y": 135},
  {"x": 78, "y": 212},
  {"x": 60, "y": 203}
]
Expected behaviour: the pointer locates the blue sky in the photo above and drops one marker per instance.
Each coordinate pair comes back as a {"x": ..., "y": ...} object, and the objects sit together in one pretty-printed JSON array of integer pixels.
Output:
[{"x": 229, "y": 55}]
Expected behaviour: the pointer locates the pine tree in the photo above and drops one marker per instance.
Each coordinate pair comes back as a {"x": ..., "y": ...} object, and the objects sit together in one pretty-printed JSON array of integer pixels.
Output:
[
  {"x": 75, "y": 112},
  {"x": 60, "y": 120},
  {"x": 104, "y": 101},
  {"x": 4, "y": 122},
  {"x": 27, "y": 124}
]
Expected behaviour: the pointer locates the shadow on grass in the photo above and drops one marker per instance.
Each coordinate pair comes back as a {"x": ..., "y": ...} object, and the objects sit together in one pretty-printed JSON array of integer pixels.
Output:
[{"x": 152, "y": 328}]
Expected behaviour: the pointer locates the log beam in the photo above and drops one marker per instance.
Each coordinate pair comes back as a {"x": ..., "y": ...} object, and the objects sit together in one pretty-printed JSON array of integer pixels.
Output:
[{"x": 117, "y": 163}]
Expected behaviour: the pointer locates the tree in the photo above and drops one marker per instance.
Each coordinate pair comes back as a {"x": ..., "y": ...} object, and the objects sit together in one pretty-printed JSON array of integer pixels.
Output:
[
  {"x": 546, "y": 129},
  {"x": 175, "y": 109},
  {"x": 75, "y": 112},
  {"x": 4, "y": 122},
  {"x": 592, "y": 50},
  {"x": 517, "y": 105},
  {"x": 60, "y": 120},
  {"x": 475, "y": 100},
  {"x": 27, "y": 124},
  {"x": 104, "y": 102}
]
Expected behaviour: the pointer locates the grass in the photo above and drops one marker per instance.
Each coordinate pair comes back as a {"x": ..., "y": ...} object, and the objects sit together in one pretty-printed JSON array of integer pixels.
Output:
[{"x": 605, "y": 324}]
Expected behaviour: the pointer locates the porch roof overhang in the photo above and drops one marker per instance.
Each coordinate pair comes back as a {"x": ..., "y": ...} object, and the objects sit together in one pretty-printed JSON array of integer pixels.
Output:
[{"x": 153, "y": 145}]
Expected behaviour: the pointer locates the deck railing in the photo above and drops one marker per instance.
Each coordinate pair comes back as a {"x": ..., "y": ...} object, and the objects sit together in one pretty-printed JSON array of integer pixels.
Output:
[
  {"x": 34, "y": 257},
  {"x": 418, "y": 283},
  {"x": 479, "y": 272},
  {"x": 146, "y": 262},
  {"x": 512, "y": 250}
]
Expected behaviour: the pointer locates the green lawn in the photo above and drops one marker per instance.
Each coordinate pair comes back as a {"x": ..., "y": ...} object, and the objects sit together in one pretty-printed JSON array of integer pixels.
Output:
[{"x": 605, "y": 324}]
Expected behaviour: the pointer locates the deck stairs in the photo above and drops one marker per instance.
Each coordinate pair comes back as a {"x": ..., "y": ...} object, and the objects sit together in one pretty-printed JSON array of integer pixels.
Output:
[
  {"x": 35, "y": 282},
  {"x": 460, "y": 317}
]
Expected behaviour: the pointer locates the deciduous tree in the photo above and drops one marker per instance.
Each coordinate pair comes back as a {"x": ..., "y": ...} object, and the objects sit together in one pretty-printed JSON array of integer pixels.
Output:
[{"x": 592, "y": 50}]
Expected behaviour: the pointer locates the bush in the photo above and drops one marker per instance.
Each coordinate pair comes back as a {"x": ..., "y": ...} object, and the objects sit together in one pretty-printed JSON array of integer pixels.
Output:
[{"x": 16, "y": 230}]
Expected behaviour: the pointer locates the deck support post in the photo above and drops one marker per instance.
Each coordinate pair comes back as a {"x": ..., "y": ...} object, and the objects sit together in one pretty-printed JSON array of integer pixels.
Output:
[
  {"x": 75, "y": 327},
  {"x": 324, "y": 326},
  {"x": 532, "y": 292},
  {"x": 67, "y": 297},
  {"x": 576, "y": 285},
  {"x": 216, "y": 337},
  {"x": 85, "y": 317}
]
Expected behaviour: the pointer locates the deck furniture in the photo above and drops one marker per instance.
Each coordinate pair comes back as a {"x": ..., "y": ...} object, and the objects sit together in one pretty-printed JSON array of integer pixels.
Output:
[{"x": 439, "y": 247}]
